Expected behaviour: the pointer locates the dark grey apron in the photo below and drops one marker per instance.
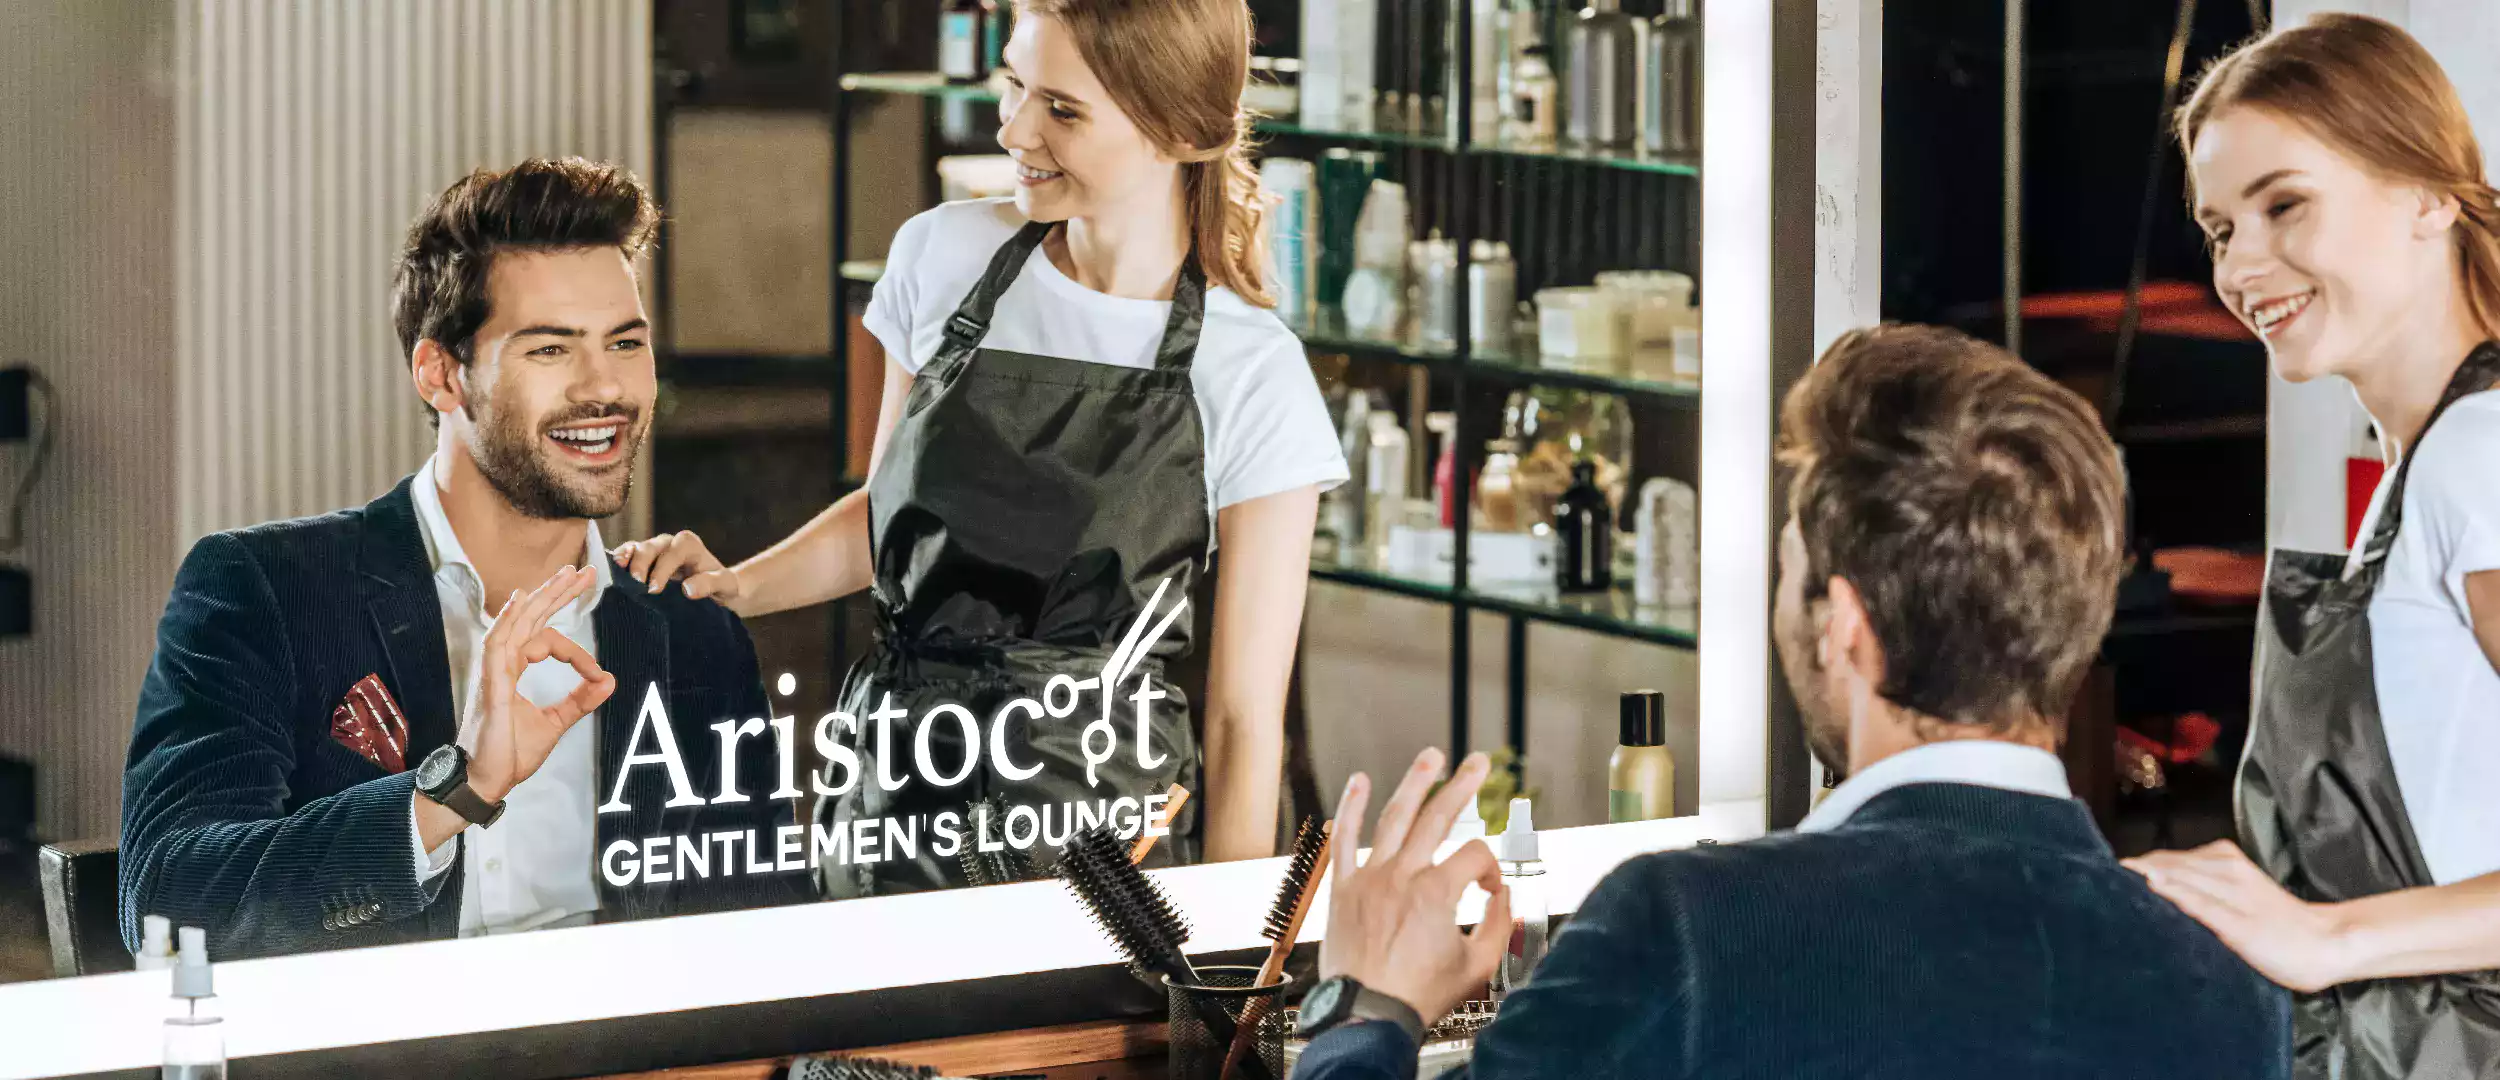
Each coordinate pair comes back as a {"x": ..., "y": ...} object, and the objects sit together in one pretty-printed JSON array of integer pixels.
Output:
[
  {"x": 1025, "y": 513},
  {"x": 2319, "y": 808}
]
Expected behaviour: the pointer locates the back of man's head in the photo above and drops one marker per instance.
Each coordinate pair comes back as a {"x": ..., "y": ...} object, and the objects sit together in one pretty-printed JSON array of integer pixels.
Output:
[{"x": 1975, "y": 508}]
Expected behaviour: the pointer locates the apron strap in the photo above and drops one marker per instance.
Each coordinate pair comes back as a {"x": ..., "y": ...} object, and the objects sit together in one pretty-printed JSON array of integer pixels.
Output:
[
  {"x": 2479, "y": 372},
  {"x": 971, "y": 320},
  {"x": 1189, "y": 313}
]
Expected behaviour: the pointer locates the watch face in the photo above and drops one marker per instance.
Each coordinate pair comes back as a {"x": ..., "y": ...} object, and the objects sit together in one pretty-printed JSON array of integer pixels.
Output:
[
  {"x": 437, "y": 767},
  {"x": 1324, "y": 1003}
]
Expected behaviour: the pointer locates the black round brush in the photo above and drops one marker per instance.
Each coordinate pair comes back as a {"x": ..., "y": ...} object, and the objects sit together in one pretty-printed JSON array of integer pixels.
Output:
[
  {"x": 1139, "y": 919},
  {"x": 1003, "y": 867},
  {"x": 1131, "y": 909}
]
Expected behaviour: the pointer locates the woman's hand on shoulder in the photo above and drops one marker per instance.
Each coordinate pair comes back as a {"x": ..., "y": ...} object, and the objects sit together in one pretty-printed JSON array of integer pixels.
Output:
[{"x": 674, "y": 556}]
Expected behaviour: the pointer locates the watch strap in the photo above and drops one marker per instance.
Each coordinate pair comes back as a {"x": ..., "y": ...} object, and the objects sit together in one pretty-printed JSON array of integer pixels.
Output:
[
  {"x": 1354, "y": 1002},
  {"x": 466, "y": 802},
  {"x": 1370, "y": 1004}
]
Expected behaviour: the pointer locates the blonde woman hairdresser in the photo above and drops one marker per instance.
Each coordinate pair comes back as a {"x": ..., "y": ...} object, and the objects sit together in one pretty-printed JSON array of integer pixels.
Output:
[
  {"x": 2334, "y": 172},
  {"x": 1085, "y": 392}
]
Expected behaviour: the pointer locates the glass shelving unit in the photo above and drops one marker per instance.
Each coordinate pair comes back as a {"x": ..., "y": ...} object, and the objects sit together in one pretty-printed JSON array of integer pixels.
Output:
[
  {"x": 1477, "y": 176},
  {"x": 1328, "y": 333},
  {"x": 1386, "y": 132}
]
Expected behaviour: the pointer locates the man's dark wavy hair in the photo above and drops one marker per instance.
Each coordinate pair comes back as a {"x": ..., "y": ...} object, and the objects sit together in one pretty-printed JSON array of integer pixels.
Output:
[{"x": 567, "y": 204}]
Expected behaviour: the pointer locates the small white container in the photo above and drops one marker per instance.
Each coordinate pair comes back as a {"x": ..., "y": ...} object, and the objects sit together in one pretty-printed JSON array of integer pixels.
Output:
[
  {"x": 1493, "y": 558},
  {"x": 1655, "y": 305},
  {"x": 1580, "y": 328}
]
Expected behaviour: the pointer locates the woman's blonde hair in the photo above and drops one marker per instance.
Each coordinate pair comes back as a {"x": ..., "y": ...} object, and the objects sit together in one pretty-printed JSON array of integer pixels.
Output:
[
  {"x": 1177, "y": 68},
  {"x": 2374, "y": 93}
]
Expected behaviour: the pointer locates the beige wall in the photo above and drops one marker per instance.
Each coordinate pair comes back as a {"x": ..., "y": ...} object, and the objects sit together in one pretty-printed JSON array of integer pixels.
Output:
[
  {"x": 86, "y": 297},
  {"x": 200, "y": 202}
]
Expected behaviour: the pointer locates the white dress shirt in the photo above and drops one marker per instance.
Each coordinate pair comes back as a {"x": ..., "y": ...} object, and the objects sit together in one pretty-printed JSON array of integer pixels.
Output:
[
  {"x": 532, "y": 871},
  {"x": 1985, "y": 762}
]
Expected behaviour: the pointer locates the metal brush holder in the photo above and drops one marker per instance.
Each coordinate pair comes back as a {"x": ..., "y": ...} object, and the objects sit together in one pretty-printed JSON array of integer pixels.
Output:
[{"x": 1197, "y": 1052}]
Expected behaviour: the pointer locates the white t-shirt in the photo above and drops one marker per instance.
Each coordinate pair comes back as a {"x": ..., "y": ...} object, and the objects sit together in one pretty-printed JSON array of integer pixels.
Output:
[
  {"x": 1266, "y": 426},
  {"x": 2438, "y": 696}
]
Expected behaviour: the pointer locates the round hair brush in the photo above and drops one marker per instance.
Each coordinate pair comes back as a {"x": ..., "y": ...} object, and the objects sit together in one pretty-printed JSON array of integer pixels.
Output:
[
  {"x": 1140, "y": 920},
  {"x": 1284, "y": 924},
  {"x": 1130, "y": 908}
]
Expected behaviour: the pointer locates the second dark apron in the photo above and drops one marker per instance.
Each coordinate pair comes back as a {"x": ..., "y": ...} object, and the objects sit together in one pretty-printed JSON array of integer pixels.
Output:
[
  {"x": 2319, "y": 807},
  {"x": 1029, "y": 516}
]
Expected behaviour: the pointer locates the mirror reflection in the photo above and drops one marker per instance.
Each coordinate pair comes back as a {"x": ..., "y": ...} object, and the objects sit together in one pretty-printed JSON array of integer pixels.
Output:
[{"x": 786, "y": 496}]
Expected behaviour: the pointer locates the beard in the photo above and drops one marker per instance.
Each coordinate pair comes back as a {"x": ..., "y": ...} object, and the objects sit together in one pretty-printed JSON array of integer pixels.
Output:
[
  {"x": 1827, "y": 732},
  {"x": 513, "y": 455}
]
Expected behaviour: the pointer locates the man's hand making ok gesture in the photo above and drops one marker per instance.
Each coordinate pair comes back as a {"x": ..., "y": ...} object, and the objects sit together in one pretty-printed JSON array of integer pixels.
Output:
[{"x": 508, "y": 735}]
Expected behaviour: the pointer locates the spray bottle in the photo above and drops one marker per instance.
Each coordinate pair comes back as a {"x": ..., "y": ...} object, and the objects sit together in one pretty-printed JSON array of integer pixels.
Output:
[
  {"x": 195, "y": 1040},
  {"x": 156, "y": 943},
  {"x": 1523, "y": 873}
]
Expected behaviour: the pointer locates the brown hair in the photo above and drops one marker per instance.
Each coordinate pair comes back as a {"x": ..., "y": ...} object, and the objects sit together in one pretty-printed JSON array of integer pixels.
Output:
[
  {"x": 2371, "y": 91},
  {"x": 1973, "y": 503},
  {"x": 1177, "y": 68},
  {"x": 439, "y": 290}
]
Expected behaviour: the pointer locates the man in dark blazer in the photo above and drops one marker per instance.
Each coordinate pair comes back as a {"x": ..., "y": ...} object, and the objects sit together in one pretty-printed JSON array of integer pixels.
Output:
[
  {"x": 361, "y": 728},
  {"x": 1949, "y": 911}
]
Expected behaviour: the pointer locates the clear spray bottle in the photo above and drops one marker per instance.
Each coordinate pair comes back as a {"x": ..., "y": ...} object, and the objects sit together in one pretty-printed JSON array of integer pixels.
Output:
[
  {"x": 195, "y": 1039},
  {"x": 1523, "y": 873},
  {"x": 156, "y": 943}
]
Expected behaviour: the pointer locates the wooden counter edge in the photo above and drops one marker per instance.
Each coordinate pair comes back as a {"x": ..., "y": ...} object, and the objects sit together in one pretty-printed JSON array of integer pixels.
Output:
[{"x": 971, "y": 1055}]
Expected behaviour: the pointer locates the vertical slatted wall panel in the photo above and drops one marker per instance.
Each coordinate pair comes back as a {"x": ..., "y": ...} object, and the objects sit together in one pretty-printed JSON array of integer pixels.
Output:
[
  {"x": 315, "y": 131},
  {"x": 201, "y": 202}
]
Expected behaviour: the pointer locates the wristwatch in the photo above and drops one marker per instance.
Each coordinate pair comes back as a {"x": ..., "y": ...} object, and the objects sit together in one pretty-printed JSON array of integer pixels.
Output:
[
  {"x": 444, "y": 777},
  {"x": 1341, "y": 999}
]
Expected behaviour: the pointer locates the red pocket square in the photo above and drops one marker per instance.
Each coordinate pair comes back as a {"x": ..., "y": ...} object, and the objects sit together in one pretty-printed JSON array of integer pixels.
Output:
[{"x": 368, "y": 722}]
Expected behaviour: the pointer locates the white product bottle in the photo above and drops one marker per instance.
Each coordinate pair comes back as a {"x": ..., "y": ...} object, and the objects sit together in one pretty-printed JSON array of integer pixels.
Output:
[
  {"x": 1523, "y": 873},
  {"x": 1492, "y": 298},
  {"x": 1338, "y": 41},
  {"x": 1432, "y": 264},
  {"x": 1384, "y": 477},
  {"x": 1666, "y": 556},
  {"x": 1344, "y": 502},
  {"x": 195, "y": 1040},
  {"x": 1322, "y": 74},
  {"x": 1375, "y": 294},
  {"x": 156, "y": 943},
  {"x": 1488, "y": 34}
]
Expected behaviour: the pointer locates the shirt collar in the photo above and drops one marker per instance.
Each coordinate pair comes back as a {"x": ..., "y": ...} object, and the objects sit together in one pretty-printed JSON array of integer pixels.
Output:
[
  {"x": 444, "y": 552},
  {"x": 1985, "y": 762}
]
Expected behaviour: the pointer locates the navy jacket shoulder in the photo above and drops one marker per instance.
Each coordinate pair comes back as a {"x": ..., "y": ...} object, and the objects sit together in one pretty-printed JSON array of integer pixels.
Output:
[
  {"x": 242, "y": 815},
  {"x": 1945, "y": 930}
]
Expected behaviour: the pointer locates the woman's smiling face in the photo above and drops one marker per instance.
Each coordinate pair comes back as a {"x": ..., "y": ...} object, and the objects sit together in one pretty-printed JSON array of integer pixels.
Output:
[
  {"x": 2320, "y": 257},
  {"x": 1076, "y": 152}
]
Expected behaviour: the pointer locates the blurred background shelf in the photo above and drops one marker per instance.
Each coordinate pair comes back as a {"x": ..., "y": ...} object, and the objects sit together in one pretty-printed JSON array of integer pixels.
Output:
[
  {"x": 1612, "y": 612},
  {"x": 1386, "y": 132},
  {"x": 1327, "y": 332}
]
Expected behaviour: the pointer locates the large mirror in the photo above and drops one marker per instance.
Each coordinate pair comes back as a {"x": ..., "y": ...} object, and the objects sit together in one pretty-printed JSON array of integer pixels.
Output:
[{"x": 907, "y": 538}]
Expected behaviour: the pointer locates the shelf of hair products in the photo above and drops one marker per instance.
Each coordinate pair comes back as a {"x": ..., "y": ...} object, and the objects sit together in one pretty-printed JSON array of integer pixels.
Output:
[{"x": 1562, "y": 222}]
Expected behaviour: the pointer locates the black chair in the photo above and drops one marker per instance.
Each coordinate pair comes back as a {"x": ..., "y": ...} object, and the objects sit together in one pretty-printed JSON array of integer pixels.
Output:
[{"x": 82, "y": 907}]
